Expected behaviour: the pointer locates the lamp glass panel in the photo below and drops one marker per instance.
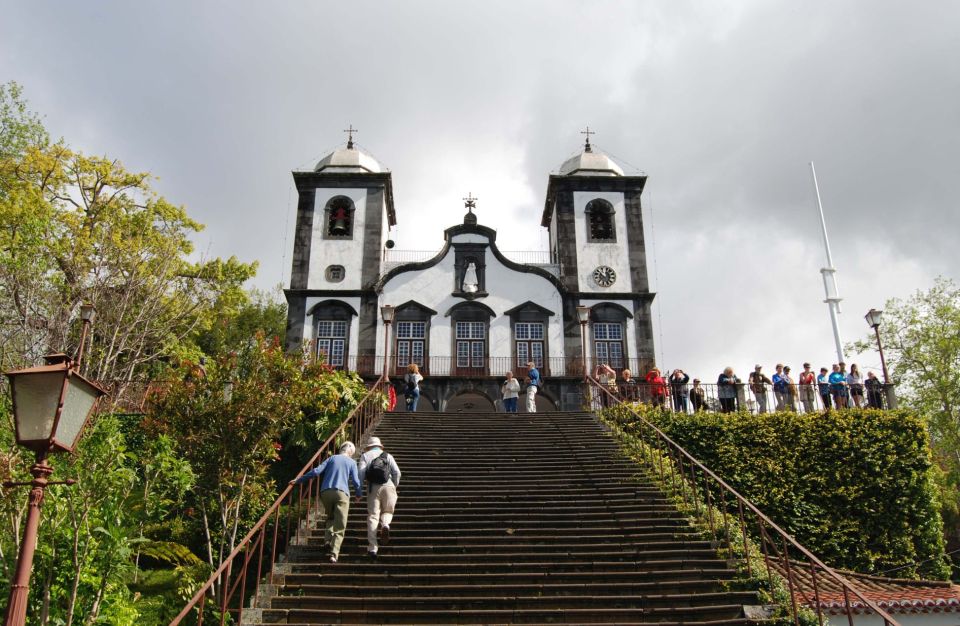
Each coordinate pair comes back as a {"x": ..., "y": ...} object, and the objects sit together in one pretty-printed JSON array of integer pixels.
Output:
[
  {"x": 583, "y": 313},
  {"x": 36, "y": 397},
  {"x": 76, "y": 407}
]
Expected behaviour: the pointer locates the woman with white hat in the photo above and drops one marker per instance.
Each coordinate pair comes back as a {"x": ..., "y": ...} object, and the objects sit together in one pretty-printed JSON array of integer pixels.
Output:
[{"x": 380, "y": 473}]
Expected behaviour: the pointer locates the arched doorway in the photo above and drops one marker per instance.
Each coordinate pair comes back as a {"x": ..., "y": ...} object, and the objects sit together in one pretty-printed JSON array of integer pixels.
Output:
[{"x": 470, "y": 402}]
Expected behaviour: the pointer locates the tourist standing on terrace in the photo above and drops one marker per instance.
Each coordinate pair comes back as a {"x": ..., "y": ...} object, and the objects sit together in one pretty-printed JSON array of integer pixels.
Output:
[
  {"x": 533, "y": 385},
  {"x": 678, "y": 389},
  {"x": 855, "y": 383},
  {"x": 790, "y": 398},
  {"x": 727, "y": 390},
  {"x": 874, "y": 391},
  {"x": 697, "y": 398},
  {"x": 511, "y": 392},
  {"x": 628, "y": 388},
  {"x": 338, "y": 473},
  {"x": 657, "y": 386},
  {"x": 758, "y": 385},
  {"x": 779, "y": 387},
  {"x": 838, "y": 386},
  {"x": 823, "y": 386},
  {"x": 380, "y": 473},
  {"x": 807, "y": 393}
]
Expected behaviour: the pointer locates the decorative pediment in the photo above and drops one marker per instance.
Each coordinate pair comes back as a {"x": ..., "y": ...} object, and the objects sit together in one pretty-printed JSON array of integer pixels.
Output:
[
  {"x": 413, "y": 304},
  {"x": 333, "y": 305},
  {"x": 473, "y": 307},
  {"x": 529, "y": 307}
]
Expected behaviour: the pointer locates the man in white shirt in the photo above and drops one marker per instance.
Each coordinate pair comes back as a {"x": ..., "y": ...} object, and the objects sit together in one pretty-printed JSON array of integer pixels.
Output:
[{"x": 381, "y": 475}]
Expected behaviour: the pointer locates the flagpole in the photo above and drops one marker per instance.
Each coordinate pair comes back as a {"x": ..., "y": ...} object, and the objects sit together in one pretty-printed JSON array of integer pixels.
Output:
[{"x": 829, "y": 274}]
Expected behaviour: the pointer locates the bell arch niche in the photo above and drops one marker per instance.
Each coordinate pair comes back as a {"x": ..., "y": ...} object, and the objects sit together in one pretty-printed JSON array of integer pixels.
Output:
[
  {"x": 338, "y": 217},
  {"x": 601, "y": 227}
]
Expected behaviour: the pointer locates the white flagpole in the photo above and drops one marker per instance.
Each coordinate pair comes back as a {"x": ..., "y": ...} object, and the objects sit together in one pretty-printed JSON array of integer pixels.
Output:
[{"x": 829, "y": 274}]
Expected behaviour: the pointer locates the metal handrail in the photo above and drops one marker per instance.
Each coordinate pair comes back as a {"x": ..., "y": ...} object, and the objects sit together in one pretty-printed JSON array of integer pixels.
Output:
[
  {"x": 360, "y": 420},
  {"x": 771, "y": 551}
]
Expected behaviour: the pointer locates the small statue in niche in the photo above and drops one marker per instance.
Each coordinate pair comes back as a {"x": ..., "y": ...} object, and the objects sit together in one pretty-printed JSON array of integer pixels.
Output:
[{"x": 470, "y": 282}]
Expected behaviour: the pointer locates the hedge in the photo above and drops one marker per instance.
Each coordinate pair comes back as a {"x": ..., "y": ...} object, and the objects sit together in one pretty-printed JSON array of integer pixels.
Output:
[{"x": 857, "y": 486}]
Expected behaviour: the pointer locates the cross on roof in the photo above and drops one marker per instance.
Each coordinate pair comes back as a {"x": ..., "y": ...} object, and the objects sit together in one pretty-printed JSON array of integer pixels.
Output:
[
  {"x": 350, "y": 132},
  {"x": 587, "y": 132},
  {"x": 470, "y": 202}
]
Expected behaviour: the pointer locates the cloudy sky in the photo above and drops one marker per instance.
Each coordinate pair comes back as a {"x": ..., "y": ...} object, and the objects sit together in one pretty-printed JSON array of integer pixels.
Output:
[{"x": 721, "y": 104}]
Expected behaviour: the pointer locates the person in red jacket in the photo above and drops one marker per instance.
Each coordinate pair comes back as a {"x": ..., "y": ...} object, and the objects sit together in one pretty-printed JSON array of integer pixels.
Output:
[{"x": 657, "y": 385}]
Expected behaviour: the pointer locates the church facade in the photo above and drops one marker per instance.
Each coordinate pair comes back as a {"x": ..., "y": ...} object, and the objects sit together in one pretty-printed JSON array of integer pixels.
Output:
[{"x": 469, "y": 313}]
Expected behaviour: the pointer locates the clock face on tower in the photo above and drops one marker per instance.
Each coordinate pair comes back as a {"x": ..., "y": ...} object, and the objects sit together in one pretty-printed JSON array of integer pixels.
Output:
[{"x": 604, "y": 276}]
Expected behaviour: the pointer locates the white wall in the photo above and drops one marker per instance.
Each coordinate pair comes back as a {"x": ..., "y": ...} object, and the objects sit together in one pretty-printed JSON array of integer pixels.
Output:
[
  {"x": 592, "y": 255},
  {"x": 345, "y": 252},
  {"x": 432, "y": 287}
]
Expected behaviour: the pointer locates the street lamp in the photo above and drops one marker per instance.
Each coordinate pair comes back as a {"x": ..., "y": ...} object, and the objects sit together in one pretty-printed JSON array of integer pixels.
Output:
[
  {"x": 583, "y": 314},
  {"x": 386, "y": 312},
  {"x": 51, "y": 405},
  {"x": 873, "y": 318}
]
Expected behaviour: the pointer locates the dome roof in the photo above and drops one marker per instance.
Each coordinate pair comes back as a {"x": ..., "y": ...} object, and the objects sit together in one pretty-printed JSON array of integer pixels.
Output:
[
  {"x": 349, "y": 159},
  {"x": 590, "y": 163}
]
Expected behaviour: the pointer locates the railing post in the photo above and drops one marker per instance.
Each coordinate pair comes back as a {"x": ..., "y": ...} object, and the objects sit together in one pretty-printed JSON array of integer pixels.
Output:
[
  {"x": 816, "y": 593},
  {"x": 790, "y": 584}
]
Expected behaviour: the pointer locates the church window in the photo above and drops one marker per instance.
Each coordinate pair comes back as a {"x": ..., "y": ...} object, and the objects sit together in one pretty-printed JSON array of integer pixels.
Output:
[
  {"x": 332, "y": 342},
  {"x": 600, "y": 222},
  {"x": 529, "y": 342},
  {"x": 471, "y": 345},
  {"x": 338, "y": 218},
  {"x": 336, "y": 273},
  {"x": 411, "y": 344},
  {"x": 608, "y": 343}
]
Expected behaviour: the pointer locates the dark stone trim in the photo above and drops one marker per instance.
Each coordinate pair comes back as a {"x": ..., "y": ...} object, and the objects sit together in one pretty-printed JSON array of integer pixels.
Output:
[
  {"x": 372, "y": 237},
  {"x": 636, "y": 246},
  {"x": 528, "y": 305},
  {"x": 415, "y": 305},
  {"x": 467, "y": 305},
  {"x": 334, "y": 293},
  {"x": 327, "y": 303},
  {"x": 296, "y": 315},
  {"x": 611, "y": 305},
  {"x": 302, "y": 239},
  {"x": 566, "y": 236},
  {"x": 561, "y": 183},
  {"x": 306, "y": 181},
  {"x": 620, "y": 295}
]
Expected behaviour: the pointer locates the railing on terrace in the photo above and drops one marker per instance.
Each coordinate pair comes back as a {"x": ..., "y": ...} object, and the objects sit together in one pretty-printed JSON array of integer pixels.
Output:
[
  {"x": 685, "y": 398},
  {"x": 712, "y": 498},
  {"x": 253, "y": 560},
  {"x": 393, "y": 258}
]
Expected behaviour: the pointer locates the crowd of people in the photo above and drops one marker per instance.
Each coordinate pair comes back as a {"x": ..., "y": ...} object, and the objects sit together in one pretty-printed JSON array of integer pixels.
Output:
[{"x": 836, "y": 388}]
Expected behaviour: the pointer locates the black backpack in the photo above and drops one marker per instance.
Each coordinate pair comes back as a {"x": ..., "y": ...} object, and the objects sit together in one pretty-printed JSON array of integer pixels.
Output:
[{"x": 378, "y": 472}]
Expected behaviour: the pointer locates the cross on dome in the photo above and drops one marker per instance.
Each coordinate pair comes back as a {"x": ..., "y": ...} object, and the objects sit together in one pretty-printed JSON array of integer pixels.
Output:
[
  {"x": 587, "y": 132},
  {"x": 470, "y": 202},
  {"x": 350, "y": 132}
]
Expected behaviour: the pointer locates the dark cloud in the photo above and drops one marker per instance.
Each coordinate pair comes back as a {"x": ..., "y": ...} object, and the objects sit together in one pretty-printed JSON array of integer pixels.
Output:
[{"x": 722, "y": 105}]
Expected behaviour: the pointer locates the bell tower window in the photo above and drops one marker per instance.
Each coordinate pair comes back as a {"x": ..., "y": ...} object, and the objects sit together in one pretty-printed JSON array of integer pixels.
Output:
[
  {"x": 338, "y": 218},
  {"x": 600, "y": 224}
]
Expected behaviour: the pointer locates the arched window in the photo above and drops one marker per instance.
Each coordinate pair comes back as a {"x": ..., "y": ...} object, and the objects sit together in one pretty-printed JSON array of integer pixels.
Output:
[
  {"x": 530, "y": 322},
  {"x": 411, "y": 332},
  {"x": 331, "y": 324},
  {"x": 600, "y": 223},
  {"x": 609, "y": 329},
  {"x": 471, "y": 338},
  {"x": 338, "y": 218}
]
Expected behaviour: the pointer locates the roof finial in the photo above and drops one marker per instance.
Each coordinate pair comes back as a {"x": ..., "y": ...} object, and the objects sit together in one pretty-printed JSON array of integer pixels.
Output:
[
  {"x": 588, "y": 132},
  {"x": 470, "y": 203},
  {"x": 350, "y": 132}
]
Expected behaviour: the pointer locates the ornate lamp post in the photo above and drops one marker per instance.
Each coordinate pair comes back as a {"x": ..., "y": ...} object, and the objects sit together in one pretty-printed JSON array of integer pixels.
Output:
[
  {"x": 386, "y": 312},
  {"x": 583, "y": 315},
  {"x": 874, "y": 317},
  {"x": 51, "y": 405}
]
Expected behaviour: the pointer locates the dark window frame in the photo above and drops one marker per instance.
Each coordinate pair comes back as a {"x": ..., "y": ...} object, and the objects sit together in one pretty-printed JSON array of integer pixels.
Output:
[
  {"x": 411, "y": 313},
  {"x": 470, "y": 313}
]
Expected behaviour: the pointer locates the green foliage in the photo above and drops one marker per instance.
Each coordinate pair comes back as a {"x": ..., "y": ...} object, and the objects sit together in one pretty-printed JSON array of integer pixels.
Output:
[{"x": 857, "y": 487}]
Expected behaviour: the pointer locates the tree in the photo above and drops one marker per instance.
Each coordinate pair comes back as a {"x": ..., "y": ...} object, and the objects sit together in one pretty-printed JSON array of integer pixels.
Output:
[
  {"x": 921, "y": 340},
  {"x": 76, "y": 228}
]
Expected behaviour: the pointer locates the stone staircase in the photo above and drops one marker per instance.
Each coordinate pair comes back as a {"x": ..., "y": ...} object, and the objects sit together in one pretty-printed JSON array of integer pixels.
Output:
[{"x": 513, "y": 519}]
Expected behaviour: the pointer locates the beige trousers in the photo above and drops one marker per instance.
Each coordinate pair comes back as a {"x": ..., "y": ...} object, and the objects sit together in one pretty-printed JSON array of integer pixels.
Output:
[{"x": 381, "y": 502}]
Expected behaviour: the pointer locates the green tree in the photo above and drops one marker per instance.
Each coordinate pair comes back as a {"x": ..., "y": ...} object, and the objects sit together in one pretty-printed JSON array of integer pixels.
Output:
[{"x": 921, "y": 340}]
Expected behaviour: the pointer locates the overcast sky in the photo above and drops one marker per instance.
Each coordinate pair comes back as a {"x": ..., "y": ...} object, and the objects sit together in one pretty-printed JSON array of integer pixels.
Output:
[{"x": 721, "y": 104}]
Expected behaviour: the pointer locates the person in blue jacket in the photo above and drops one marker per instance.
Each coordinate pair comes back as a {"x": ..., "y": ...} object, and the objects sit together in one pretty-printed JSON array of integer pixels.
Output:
[{"x": 337, "y": 474}]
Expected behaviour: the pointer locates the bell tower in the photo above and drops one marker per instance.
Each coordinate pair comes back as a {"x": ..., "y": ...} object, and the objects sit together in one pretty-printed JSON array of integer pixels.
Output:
[
  {"x": 344, "y": 213},
  {"x": 593, "y": 215}
]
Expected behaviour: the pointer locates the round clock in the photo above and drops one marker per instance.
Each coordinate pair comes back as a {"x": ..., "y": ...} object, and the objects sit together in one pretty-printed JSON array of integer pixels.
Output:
[{"x": 604, "y": 276}]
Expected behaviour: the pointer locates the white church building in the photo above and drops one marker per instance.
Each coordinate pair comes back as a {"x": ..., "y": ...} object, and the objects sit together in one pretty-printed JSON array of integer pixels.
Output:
[{"x": 467, "y": 313}]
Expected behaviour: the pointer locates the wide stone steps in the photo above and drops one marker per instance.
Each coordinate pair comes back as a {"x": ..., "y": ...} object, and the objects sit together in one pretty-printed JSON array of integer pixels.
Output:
[{"x": 513, "y": 520}]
